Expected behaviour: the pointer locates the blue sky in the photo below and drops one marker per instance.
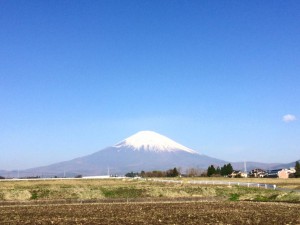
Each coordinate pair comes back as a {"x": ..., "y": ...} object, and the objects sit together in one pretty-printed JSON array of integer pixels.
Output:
[{"x": 216, "y": 76}]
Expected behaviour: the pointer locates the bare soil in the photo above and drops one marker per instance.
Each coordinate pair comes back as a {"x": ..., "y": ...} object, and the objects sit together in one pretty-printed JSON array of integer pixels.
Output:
[{"x": 180, "y": 212}]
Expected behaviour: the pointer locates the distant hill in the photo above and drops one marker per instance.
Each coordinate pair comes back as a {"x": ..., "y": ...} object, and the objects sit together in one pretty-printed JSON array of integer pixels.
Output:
[
  {"x": 254, "y": 165},
  {"x": 264, "y": 166},
  {"x": 3, "y": 172},
  {"x": 286, "y": 165},
  {"x": 145, "y": 150}
]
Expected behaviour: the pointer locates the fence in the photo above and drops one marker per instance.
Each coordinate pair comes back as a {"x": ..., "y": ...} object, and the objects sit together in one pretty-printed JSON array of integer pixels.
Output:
[
  {"x": 266, "y": 186},
  {"x": 258, "y": 185}
]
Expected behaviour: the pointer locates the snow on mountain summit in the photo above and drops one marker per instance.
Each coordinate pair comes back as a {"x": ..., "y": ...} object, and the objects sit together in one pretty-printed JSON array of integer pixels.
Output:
[{"x": 151, "y": 141}]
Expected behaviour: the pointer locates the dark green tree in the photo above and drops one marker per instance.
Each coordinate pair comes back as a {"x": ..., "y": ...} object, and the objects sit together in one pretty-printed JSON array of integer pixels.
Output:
[
  {"x": 172, "y": 173},
  {"x": 131, "y": 174},
  {"x": 226, "y": 169},
  {"x": 223, "y": 170},
  {"x": 211, "y": 170},
  {"x": 175, "y": 172},
  {"x": 229, "y": 169},
  {"x": 297, "y": 168},
  {"x": 218, "y": 170}
]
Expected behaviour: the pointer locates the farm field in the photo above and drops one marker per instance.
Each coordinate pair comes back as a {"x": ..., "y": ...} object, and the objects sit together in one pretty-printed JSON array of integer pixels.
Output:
[
  {"x": 216, "y": 212},
  {"x": 133, "y": 201},
  {"x": 85, "y": 189}
]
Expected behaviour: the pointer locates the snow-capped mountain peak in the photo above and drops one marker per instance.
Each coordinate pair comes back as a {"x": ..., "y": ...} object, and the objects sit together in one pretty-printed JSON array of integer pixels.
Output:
[{"x": 151, "y": 141}]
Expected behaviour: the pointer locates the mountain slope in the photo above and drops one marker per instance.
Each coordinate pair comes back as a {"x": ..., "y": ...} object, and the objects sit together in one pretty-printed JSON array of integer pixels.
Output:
[
  {"x": 253, "y": 165},
  {"x": 145, "y": 150},
  {"x": 285, "y": 165}
]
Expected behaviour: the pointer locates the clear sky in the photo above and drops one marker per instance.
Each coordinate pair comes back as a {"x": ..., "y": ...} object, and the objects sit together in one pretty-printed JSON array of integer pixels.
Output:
[{"x": 215, "y": 76}]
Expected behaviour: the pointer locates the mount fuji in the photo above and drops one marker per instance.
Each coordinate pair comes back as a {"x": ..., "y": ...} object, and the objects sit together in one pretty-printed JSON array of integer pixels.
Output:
[
  {"x": 145, "y": 150},
  {"x": 150, "y": 141}
]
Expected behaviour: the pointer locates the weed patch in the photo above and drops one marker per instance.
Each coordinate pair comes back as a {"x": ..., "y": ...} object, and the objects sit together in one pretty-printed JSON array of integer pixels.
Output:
[
  {"x": 34, "y": 195},
  {"x": 234, "y": 197},
  {"x": 39, "y": 194}
]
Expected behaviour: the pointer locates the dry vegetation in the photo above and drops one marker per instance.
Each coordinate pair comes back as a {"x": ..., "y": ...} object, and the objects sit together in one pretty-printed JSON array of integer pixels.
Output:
[
  {"x": 82, "y": 189},
  {"x": 128, "y": 201}
]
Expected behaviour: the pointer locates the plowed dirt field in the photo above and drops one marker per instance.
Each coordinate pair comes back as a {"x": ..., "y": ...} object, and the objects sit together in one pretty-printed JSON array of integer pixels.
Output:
[{"x": 196, "y": 212}]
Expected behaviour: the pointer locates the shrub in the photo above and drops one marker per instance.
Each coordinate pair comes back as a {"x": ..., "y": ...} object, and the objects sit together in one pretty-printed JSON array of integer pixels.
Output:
[{"x": 234, "y": 197}]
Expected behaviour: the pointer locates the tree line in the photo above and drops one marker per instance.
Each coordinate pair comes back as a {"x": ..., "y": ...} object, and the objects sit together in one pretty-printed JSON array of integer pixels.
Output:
[
  {"x": 223, "y": 171},
  {"x": 211, "y": 171},
  {"x": 156, "y": 173},
  {"x": 191, "y": 172}
]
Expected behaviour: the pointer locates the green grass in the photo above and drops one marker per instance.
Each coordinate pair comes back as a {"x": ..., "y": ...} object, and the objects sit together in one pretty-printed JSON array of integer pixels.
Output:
[
  {"x": 34, "y": 195},
  {"x": 234, "y": 197},
  {"x": 41, "y": 193}
]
